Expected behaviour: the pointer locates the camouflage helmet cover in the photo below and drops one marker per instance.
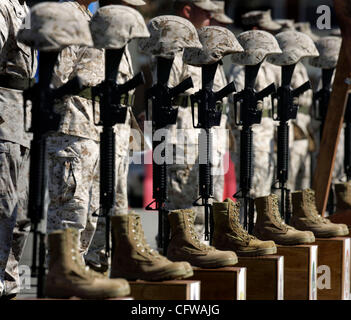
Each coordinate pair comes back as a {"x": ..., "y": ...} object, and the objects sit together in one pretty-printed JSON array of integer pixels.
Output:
[
  {"x": 113, "y": 26},
  {"x": 219, "y": 14},
  {"x": 135, "y": 2},
  {"x": 305, "y": 27},
  {"x": 295, "y": 46},
  {"x": 329, "y": 48},
  {"x": 169, "y": 35},
  {"x": 257, "y": 46},
  {"x": 54, "y": 26},
  {"x": 217, "y": 42}
]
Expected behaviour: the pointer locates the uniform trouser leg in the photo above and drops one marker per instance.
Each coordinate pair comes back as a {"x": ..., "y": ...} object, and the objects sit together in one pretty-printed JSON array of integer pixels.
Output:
[
  {"x": 73, "y": 164},
  {"x": 96, "y": 254},
  {"x": 14, "y": 225}
]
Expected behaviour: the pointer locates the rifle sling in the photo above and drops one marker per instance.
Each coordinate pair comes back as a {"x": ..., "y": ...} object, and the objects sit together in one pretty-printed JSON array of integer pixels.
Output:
[
  {"x": 184, "y": 101},
  {"x": 14, "y": 82},
  {"x": 126, "y": 99}
]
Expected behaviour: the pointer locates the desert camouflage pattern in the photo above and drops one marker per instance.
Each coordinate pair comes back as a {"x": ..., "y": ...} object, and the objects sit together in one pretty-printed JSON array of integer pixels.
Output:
[
  {"x": 295, "y": 46},
  {"x": 305, "y": 27},
  {"x": 329, "y": 49},
  {"x": 203, "y": 4},
  {"x": 219, "y": 14},
  {"x": 257, "y": 46},
  {"x": 262, "y": 19},
  {"x": 109, "y": 31},
  {"x": 169, "y": 36},
  {"x": 301, "y": 132},
  {"x": 18, "y": 60},
  {"x": 263, "y": 134},
  {"x": 73, "y": 166},
  {"x": 14, "y": 224},
  {"x": 135, "y": 2},
  {"x": 53, "y": 26},
  {"x": 217, "y": 42}
]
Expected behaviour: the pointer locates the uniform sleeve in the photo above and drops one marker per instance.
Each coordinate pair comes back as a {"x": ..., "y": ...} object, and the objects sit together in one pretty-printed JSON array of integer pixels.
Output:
[
  {"x": 65, "y": 66},
  {"x": 4, "y": 28}
]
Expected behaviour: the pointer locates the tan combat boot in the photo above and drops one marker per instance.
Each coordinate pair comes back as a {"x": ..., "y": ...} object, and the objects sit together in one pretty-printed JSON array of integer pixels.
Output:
[
  {"x": 343, "y": 204},
  {"x": 305, "y": 217},
  {"x": 69, "y": 277},
  {"x": 229, "y": 234},
  {"x": 270, "y": 226},
  {"x": 134, "y": 259},
  {"x": 186, "y": 246}
]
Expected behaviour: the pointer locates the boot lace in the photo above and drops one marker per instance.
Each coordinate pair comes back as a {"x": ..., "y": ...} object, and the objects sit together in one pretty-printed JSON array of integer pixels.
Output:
[
  {"x": 236, "y": 225},
  {"x": 311, "y": 204},
  {"x": 195, "y": 236},
  {"x": 279, "y": 222},
  {"x": 139, "y": 238}
]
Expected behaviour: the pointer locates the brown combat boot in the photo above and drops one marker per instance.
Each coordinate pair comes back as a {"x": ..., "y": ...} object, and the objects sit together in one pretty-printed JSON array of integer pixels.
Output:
[
  {"x": 343, "y": 204},
  {"x": 229, "y": 234},
  {"x": 185, "y": 244},
  {"x": 134, "y": 259},
  {"x": 305, "y": 217},
  {"x": 270, "y": 226},
  {"x": 69, "y": 277}
]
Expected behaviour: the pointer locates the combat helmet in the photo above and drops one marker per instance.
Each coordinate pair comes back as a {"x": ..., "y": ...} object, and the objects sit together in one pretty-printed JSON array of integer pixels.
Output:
[
  {"x": 135, "y": 2},
  {"x": 113, "y": 26},
  {"x": 329, "y": 49},
  {"x": 55, "y": 26},
  {"x": 305, "y": 27},
  {"x": 295, "y": 46},
  {"x": 219, "y": 14},
  {"x": 217, "y": 42},
  {"x": 257, "y": 46},
  {"x": 169, "y": 36}
]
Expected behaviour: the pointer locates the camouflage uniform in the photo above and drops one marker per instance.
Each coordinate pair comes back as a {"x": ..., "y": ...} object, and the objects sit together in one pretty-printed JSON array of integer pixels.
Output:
[
  {"x": 300, "y": 158},
  {"x": 73, "y": 152},
  {"x": 16, "y": 60}
]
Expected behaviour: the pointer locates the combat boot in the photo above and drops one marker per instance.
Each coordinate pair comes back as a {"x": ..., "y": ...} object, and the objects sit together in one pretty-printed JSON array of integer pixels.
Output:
[
  {"x": 185, "y": 244},
  {"x": 69, "y": 277},
  {"x": 229, "y": 234},
  {"x": 134, "y": 259},
  {"x": 343, "y": 204},
  {"x": 270, "y": 226},
  {"x": 305, "y": 217}
]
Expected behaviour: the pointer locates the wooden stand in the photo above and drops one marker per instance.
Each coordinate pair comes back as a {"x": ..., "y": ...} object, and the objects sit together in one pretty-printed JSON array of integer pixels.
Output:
[
  {"x": 333, "y": 268},
  {"x": 265, "y": 277},
  {"x": 300, "y": 271},
  {"x": 165, "y": 290},
  {"x": 222, "y": 284}
]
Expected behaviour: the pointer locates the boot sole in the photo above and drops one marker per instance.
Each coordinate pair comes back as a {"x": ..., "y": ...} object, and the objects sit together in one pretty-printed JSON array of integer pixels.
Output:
[
  {"x": 217, "y": 263},
  {"x": 256, "y": 253},
  {"x": 331, "y": 234},
  {"x": 61, "y": 293},
  {"x": 157, "y": 276},
  {"x": 296, "y": 242}
]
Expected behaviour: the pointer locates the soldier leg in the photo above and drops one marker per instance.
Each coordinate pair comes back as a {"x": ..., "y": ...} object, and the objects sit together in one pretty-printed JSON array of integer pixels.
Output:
[
  {"x": 21, "y": 229},
  {"x": 96, "y": 256},
  {"x": 72, "y": 168},
  {"x": 10, "y": 163}
]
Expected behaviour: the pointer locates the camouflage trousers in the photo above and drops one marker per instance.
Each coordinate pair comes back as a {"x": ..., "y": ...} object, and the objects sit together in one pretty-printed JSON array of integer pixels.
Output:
[
  {"x": 73, "y": 166},
  {"x": 14, "y": 225},
  {"x": 96, "y": 253}
]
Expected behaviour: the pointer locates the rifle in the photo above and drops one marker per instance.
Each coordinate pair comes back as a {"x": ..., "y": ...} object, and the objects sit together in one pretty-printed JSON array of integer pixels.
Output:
[
  {"x": 208, "y": 117},
  {"x": 347, "y": 142},
  {"x": 249, "y": 115},
  {"x": 286, "y": 110},
  {"x": 163, "y": 114},
  {"x": 44, "y": 120},
  {"x": 110, "y": 95},
  {"x": 320, "y": 108}
]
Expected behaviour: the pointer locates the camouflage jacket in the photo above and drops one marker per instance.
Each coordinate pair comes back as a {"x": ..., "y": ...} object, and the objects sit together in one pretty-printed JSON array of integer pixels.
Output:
[
  {"x": 18, "y": 60},
  {"x": 77, "y": 116}
]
